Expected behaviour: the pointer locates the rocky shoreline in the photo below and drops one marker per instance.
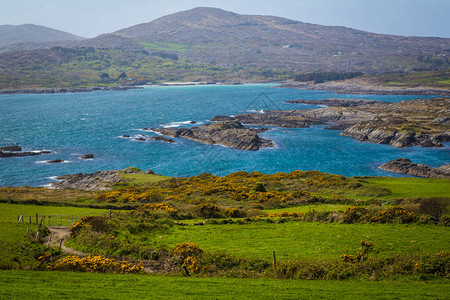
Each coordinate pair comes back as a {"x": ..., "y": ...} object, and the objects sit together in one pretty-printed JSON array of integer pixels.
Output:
[
  {"x": 423, "y": 122},
  {"x": 406, "y": 166},
  {"x": 345, "y": 87},
  {"x": 97, "y": 181},
  {"x": 226, "y": 133},
  {"x": 67, "y": 90}
]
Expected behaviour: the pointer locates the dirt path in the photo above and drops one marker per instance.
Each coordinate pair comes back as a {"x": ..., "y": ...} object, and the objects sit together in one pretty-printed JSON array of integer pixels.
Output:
[{"x": 62, "y": 232}]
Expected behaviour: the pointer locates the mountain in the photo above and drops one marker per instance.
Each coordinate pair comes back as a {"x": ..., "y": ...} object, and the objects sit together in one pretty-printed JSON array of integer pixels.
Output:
[
  {"x": 29, "y": 33},
  {"x": 210, "y": 44},
  {"x": 211, "y": 35}
]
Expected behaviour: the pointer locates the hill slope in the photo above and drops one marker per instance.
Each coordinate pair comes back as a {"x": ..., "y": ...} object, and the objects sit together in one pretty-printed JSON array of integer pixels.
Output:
[
  {"x": 212, "y": 35},
  {"x": 210, "y": 44},
  {"x": 29, "y": 33}
]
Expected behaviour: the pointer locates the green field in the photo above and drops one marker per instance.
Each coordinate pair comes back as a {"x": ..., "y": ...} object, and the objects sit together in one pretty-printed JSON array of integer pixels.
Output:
[
  {"x": 69, "y": 285},
  {"x": 9, "y": 212},
  {"x": 299, "y": 240},
  {"x": 411, "y": 187}
]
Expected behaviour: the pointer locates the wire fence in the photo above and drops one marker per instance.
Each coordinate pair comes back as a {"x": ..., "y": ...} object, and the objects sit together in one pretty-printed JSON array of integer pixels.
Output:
[{"x": 51, "y": 220}]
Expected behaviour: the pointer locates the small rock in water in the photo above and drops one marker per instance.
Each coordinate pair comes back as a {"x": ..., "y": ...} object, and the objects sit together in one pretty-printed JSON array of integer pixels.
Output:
[
  {"x": 55, "y": 161},
  {"x": 126, "y": 136},
  {"x": 11, "y": 148},
  {"x": 140, "y": 139},
  {"x": 87, "y": 156}
]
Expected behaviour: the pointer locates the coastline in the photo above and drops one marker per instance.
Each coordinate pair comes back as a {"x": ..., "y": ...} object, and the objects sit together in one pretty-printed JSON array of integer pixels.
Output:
[
  {"x": 67, "y": 90},
  {"x": 345, "y": 87}
]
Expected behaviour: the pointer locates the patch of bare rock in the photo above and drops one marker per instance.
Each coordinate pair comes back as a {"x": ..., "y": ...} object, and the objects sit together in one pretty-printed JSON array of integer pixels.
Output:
[{"x": 226, "y": 133}]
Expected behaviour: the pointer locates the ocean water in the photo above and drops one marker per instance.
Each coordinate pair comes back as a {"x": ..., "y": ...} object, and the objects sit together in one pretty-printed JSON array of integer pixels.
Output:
[{"x": 74, "y": 124}]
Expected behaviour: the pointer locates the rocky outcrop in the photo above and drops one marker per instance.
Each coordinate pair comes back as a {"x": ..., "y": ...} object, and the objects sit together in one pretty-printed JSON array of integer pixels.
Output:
[
  {"x": 381, "y": 132},
  {"x": 337, "y": 102},
  {"x": 227, "y": 133},
  {"x": 16, "y": 151},
  {"x": 406, "y": 166},
  {"x": 162, "y": 139},
  {"x": 422, "y": 122},
  {"x": 352, "y": 87},
  {"x": 96, "y": 181},
  {"x": 11, "y": 148}
]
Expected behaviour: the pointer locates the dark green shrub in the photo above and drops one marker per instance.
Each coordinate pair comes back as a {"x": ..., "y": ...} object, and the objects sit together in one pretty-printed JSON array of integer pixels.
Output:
[
  {"x": 259, "y": 187},
  {"x": 208, "y": 210},
  {"x": 354, "y": 214},
  {"x": 435, "y": 207}
]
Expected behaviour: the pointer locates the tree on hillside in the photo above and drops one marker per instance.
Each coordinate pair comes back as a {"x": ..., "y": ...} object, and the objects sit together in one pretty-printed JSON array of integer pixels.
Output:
[{"x": 122, "y": 76}]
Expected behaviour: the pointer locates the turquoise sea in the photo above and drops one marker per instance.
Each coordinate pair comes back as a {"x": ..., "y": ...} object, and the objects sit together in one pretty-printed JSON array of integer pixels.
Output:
[{"x": 74, "y": 124}]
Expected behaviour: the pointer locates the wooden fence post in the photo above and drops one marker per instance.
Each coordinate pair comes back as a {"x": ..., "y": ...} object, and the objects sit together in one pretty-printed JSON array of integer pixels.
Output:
[
  {"x": 37, "y": 218},
  {"x": 60, "y": 244},
  {"x": 274, "y": 262},
  {"x": 49, "y": 239}
]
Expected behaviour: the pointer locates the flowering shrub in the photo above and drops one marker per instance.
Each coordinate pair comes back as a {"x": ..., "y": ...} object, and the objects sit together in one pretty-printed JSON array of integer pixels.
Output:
[
  {"x": 354, "y": 214},
  {"x": 147, "y": 209},
  {"x": 395, "y": 213},
  {"x": 361, "y": 256},
  {"x": 234, "y": 213},
  {"x": 95, "y": 264},
  {"x": 208, "y": 210},
  {"x": 187, "y": 249},
  {"x": 97, "y": 223},
  {"x": 286, "y": 214},
  {"x": 191, "y": 264}
]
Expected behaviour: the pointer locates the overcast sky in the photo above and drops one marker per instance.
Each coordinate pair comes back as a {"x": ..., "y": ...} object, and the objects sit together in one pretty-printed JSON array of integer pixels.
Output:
[{"x": 90, "y": 18}]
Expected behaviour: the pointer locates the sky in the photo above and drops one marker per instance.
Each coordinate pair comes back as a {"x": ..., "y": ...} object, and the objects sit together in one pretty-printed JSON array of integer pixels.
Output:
[{"x": 89, "y": 18}]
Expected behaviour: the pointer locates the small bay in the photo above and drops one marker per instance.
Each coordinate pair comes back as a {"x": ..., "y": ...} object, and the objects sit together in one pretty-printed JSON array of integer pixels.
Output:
[{"x": 71, "y": 125}]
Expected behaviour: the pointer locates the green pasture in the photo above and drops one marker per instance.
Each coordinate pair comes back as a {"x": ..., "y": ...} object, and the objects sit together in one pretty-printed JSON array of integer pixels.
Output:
[
  {"x": 412, "y": 187},
  {"x": 300, "y": 240},
  {"x": 71, "y": 285}
]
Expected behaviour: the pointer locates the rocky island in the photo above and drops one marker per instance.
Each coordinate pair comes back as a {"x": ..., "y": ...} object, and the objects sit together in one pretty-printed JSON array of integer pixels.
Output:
[
  {"x": 423, "y": 122},
  {"x": 226, "y": 133},
  {"x": 406, "y": 166}
]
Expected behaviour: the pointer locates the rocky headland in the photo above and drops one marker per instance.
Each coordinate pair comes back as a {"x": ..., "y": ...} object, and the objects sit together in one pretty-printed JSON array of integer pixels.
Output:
[
  {"x": 406, "y": 166},
  {"x": 424, "y": 122},
  {"x": 96, "y": 181},
  {"x": 226, "y": 133}
]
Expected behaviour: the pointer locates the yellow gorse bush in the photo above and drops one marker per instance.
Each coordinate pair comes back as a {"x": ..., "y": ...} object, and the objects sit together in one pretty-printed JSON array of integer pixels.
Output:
[
  {"x": 286, "y": 214},
  {"x": 237, "y": 186},
  {"x": 99, "y": 264},
  {"x": 187, "y": 249}
]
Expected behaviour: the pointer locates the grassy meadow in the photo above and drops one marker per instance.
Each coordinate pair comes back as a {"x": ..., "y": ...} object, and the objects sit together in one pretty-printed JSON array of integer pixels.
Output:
[
  {"x": 70, "y": 285},
  {"x": 309, "y": 219}
]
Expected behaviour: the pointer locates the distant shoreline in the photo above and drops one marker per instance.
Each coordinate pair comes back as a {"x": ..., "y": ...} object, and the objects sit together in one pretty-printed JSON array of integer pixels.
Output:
[
  {"x": 67, "y": 90},
  {"x": 343, "y": 87},
  {"x": 339, "y": 87}
]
